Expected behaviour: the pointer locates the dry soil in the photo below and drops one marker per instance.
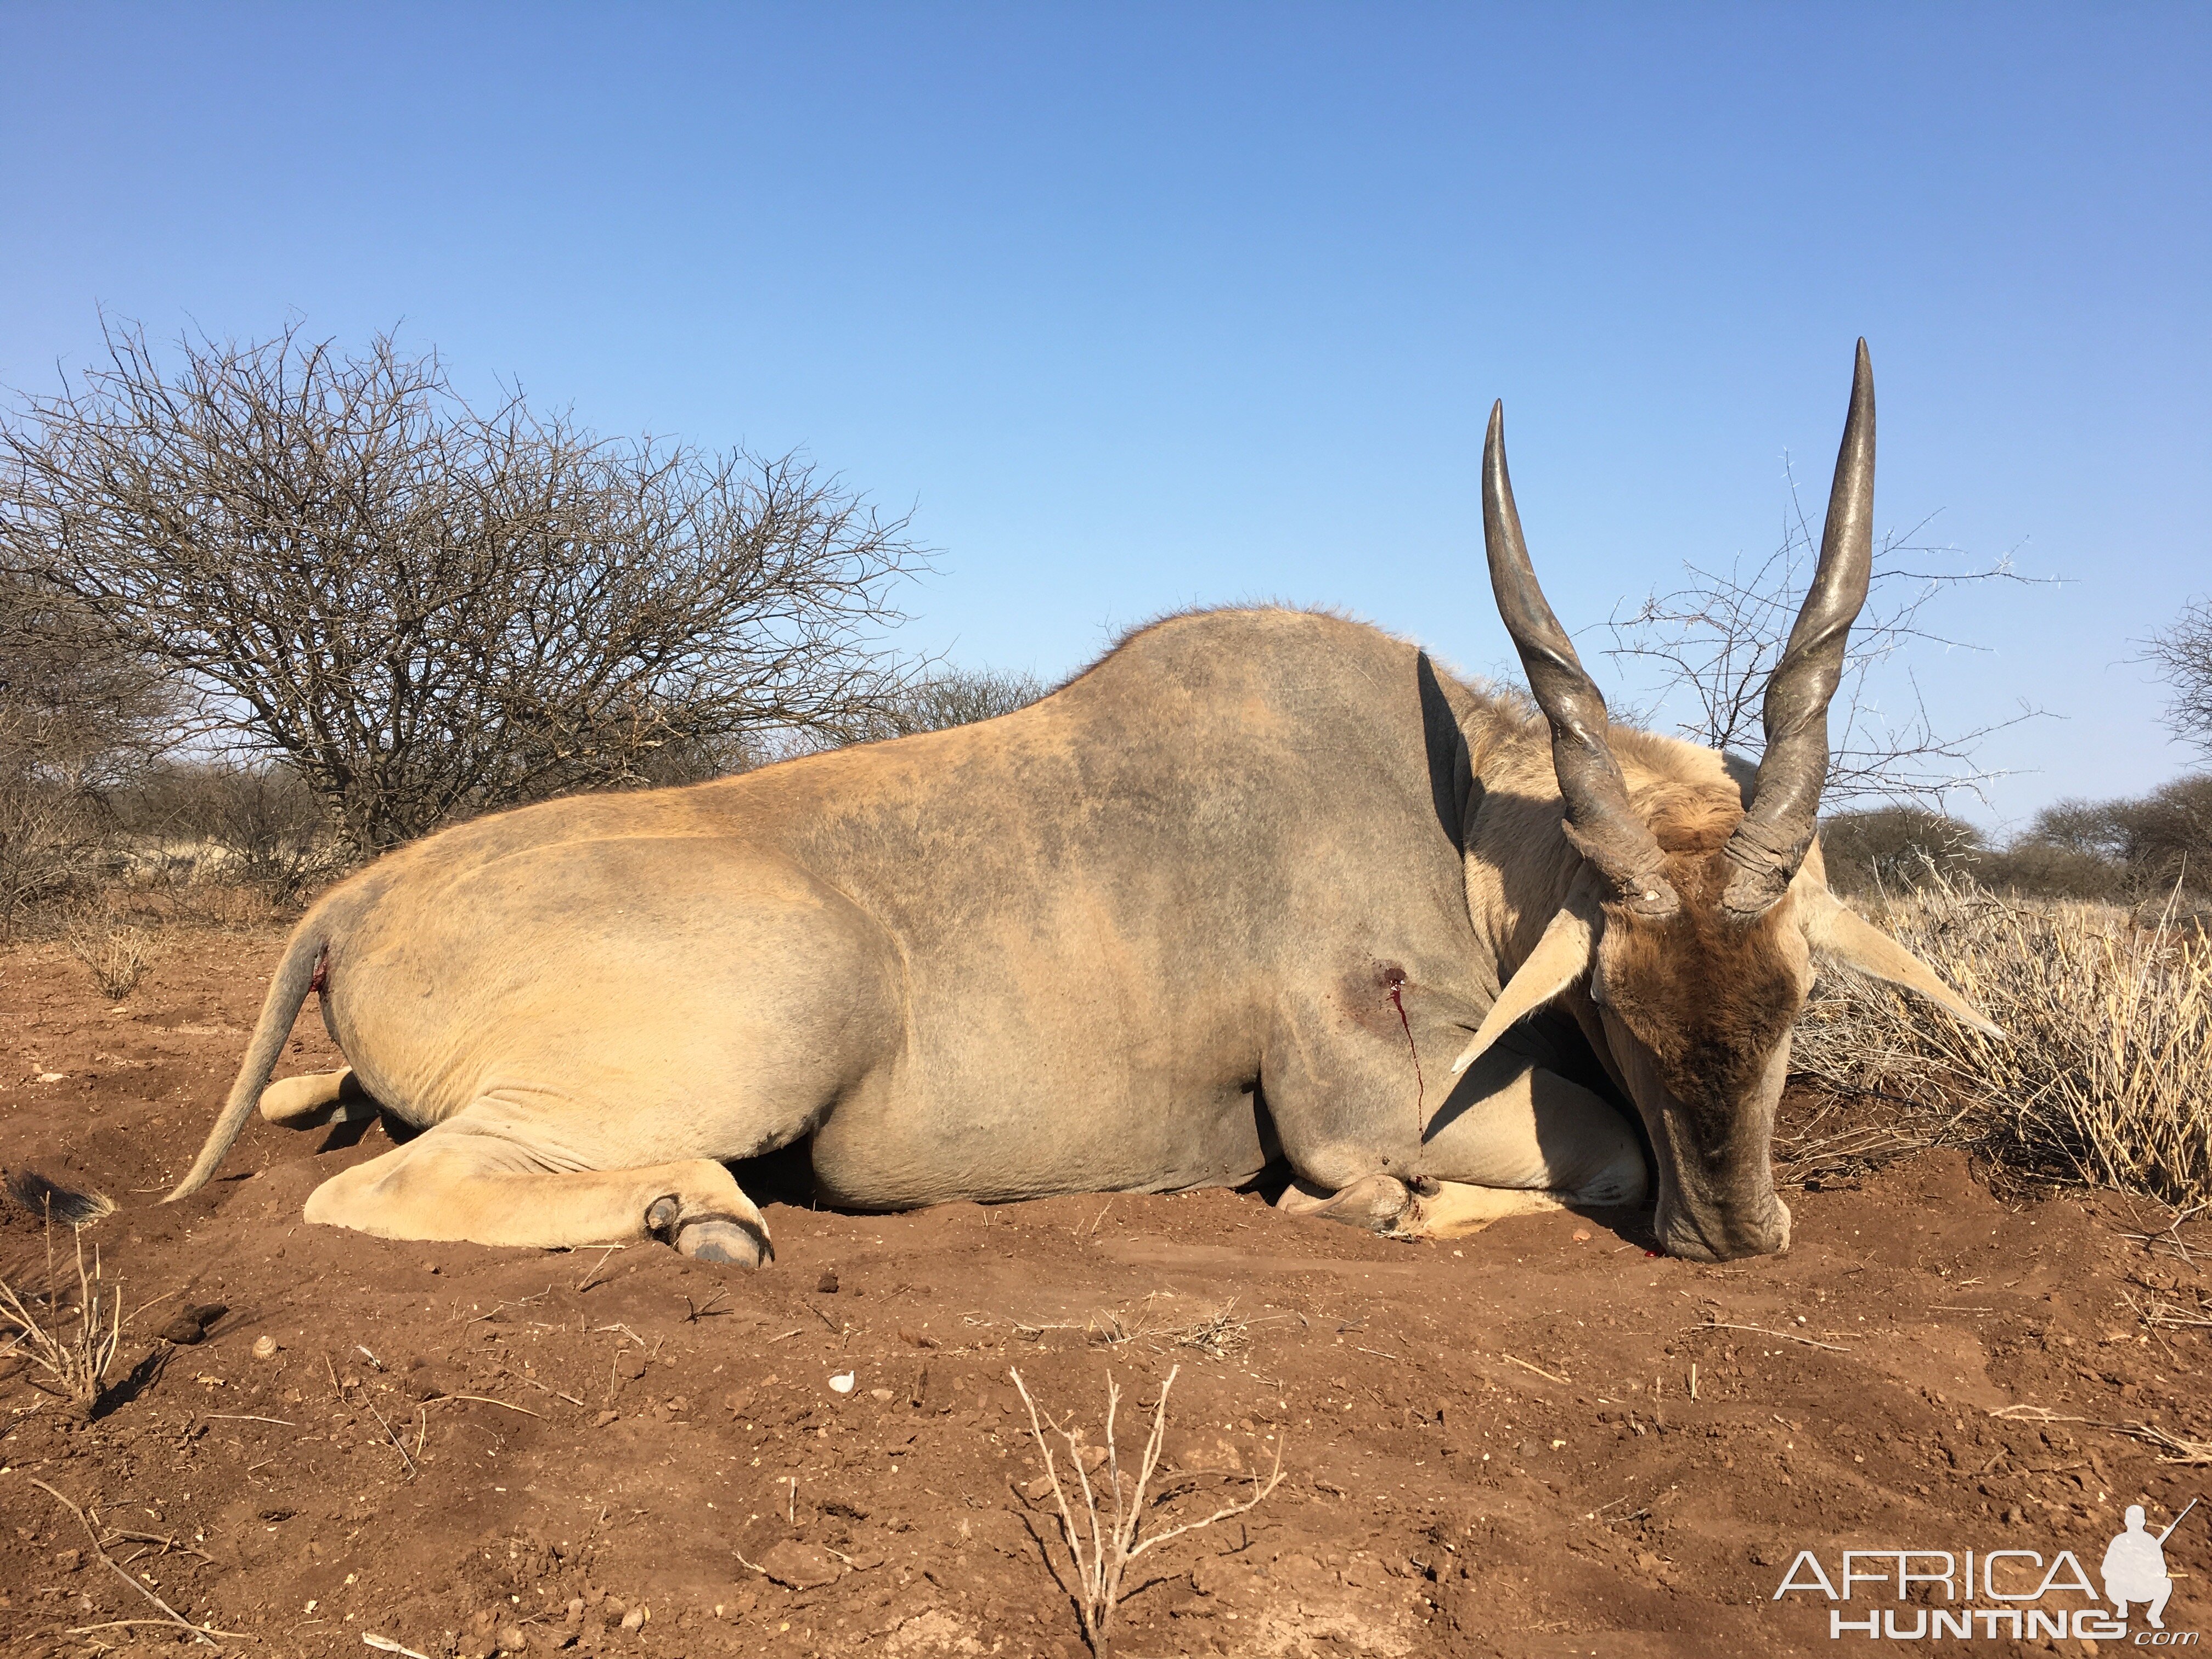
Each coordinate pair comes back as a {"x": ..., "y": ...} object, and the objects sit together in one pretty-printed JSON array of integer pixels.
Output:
[{"x": 1541, "y": 1440}]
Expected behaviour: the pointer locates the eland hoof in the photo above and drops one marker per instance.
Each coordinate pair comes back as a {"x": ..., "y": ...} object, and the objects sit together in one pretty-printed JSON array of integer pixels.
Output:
[
  {"x": 1375, "y": 1202},
  {"x": 718, "y": 1238}
]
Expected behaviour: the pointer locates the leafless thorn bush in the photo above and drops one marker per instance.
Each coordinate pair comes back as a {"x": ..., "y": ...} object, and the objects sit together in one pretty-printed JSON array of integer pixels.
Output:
[
  {"x": 2111, "y": 1029},
  {"x": 78, "y": 713},
  {"x": 1102, "y": 1534},
  {"x": 73, "y": 1360},
  {"x": 117, "y": 953},
  {"x": 2183, "y": 656},
  {"x": 1714, "y": 641},
  {"x": 428, "y": 610}
]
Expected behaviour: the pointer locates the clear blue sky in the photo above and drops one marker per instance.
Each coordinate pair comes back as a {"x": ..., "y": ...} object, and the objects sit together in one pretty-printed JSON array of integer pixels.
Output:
[{"x": 1145, "y": 308}]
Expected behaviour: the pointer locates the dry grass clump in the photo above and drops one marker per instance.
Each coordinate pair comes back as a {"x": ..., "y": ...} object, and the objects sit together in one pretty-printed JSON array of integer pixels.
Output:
[
  {"x": 2104, "y": 1080},
  {"x": 1218, "y": 1333}
]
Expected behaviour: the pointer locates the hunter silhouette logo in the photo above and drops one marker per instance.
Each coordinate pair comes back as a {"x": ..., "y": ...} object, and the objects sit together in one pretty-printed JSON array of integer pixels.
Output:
[
  {"x": 2023, "y": 1595},
  {"x": 2135, "y": 1567}
]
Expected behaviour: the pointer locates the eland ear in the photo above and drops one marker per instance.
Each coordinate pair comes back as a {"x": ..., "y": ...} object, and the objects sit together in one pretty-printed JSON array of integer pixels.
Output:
[
  {"x": 1834, "y": 929},
  {"x": 1562, "y": 956}
]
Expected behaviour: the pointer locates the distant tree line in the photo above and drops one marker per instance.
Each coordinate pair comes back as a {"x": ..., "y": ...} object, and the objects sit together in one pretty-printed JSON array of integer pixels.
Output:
[{"x": 2131, "y": 851}]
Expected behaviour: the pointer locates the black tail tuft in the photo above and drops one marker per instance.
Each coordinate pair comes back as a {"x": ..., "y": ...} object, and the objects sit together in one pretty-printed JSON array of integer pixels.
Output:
[{"x": 36, "y": 1199}]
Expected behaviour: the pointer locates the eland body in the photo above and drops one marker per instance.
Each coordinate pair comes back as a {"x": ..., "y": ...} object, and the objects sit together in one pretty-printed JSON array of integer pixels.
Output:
[{"x": 1262, "y": 889}]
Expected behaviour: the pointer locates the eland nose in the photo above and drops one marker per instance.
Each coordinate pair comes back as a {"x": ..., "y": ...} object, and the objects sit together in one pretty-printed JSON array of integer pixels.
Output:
[{"x": 1721, "y": 1237}]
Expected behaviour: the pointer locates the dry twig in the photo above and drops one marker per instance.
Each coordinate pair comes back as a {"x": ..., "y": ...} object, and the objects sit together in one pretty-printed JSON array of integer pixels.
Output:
[
  {"x": 1550, "y": 1376},
  {"x": 199, "y": 1634},
  {"x": 2172, "y": 1448},
  {"x": 1787, "y": 1336},
  {"x": 486, "y": 1400}
]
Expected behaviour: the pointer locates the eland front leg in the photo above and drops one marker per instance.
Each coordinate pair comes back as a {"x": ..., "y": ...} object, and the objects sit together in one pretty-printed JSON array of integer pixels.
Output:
[
  {"x": 1517, "y": 1138},
  {"x": 1514, "y": 1139}
]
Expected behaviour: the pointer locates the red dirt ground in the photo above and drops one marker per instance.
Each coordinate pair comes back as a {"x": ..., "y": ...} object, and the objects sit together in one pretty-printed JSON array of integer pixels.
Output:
[{"x": 1490, "y": 1447}]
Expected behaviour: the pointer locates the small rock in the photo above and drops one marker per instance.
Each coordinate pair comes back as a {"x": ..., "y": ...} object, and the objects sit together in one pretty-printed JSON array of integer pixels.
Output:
[
  {"x": 916, "y": 1338},
  {"x": 512, "y": 1639},
  {"x": 795, "y": 1567},
  {"x": 1532, "y": 1448},
  {"x": 828, "y": 1282},
  {"x": 190, "y": 1324},
  {"x": 631, "y": 1364},
  {"x": 265, "y": 1347},
  {"x": 879, "y": 1393},
  {"x": 603, "y": 1419},
  {"x": 1038, "y": 1490},
  {"x": 575, "y": 1610},
  {"x": 1091, "y": 1457},
  {"x": 1582, "y": 1236},
  {"x": 634, "y": 1619},
  {"x": 68, "y": 1560}
]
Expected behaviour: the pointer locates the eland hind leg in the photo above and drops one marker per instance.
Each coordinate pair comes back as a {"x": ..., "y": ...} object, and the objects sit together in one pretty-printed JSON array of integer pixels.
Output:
[
  {"x": 316, "y": 1098},
  {"x": 465, "y": 1180},
  {"x": 598, "y": 1100}
]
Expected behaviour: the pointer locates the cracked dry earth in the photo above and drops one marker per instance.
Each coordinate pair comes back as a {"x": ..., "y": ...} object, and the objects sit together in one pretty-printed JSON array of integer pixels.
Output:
[{"x": 1489, "y": 1446}]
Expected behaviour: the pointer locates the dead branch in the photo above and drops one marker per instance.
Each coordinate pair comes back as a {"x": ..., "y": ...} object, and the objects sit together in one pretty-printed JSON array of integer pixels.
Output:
[
  {"x": 1712, "y": 643},
  {"x": 1101, "y": 1547},
  {"x": 173, "y": 1617}
]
